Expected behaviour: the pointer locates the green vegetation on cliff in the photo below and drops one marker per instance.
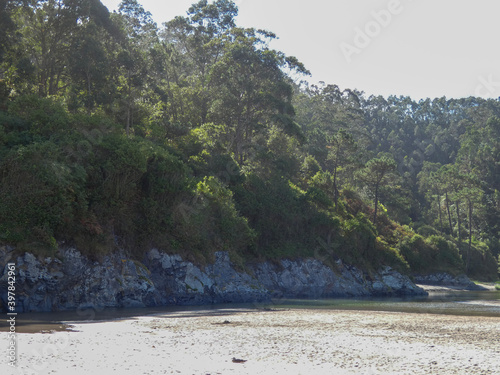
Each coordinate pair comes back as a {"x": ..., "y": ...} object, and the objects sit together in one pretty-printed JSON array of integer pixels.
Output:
[{"x": 193, "y": 138}]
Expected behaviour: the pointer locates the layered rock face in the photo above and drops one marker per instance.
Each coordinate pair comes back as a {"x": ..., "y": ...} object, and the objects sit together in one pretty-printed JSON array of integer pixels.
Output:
[{"x": 72, "y": 281}]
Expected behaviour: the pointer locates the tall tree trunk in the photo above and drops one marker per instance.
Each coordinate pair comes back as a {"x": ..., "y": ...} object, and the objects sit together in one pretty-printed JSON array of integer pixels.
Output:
[
  {"x": 335, "y": 190},
  {"x": 459, "y": 223},
  {"x": 470, "y": 237},
  {"x": 127, "y": 126},
  {"x": 376, "y": 206},
  {"x": 129, "y": 103},
  {"x": 42, "y": 83},
  {"x": 89, "y": 89},
  {"x": 440, "y": 213},
  {"x": 449, "y": 213}
]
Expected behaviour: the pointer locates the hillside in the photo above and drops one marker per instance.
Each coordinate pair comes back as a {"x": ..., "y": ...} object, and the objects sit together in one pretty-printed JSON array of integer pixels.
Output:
[{"x": 193, "y": 138}]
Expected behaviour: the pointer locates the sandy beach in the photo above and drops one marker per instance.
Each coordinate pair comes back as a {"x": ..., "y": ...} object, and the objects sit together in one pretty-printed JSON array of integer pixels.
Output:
[{"x": 297, "y": 341}]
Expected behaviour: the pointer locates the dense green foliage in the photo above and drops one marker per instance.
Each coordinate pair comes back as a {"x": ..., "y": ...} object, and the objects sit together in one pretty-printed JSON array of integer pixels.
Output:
[{"x": 193, "y": 137}]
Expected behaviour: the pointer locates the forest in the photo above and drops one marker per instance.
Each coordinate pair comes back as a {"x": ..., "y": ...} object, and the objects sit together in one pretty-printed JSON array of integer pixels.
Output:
[{"x": 195, "y": 136}]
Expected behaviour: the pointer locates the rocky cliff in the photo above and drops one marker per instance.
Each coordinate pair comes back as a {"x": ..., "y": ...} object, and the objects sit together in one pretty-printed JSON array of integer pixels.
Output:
[{"x": 72, "y": 281}]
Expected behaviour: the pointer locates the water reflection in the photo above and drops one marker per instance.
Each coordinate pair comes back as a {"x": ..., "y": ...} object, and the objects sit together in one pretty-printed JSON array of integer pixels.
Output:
[{"x": 477, "y": 303}]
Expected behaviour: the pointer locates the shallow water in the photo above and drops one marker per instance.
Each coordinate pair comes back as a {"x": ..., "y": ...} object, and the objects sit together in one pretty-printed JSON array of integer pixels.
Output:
[
  {"x": 467, "y": 303},
  {"x": 482, "y": 303}
]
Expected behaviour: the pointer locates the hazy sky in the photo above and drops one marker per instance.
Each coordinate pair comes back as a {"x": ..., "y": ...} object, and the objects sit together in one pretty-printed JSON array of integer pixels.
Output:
[{"x": 421, "y": 48}]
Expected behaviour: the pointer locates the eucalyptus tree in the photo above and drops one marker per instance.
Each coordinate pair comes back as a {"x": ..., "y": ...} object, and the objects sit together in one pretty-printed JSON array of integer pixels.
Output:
[
  {"x": 46, "y": 43},
  {"x": 471, "y": 194},
  {"x": 431, "y": 187},
  {"x": 342, "y": 150},
  {"x": 46, "y": 28},
  {"x": 7, "y": 26},
  {"x": 140, "y": 35},
  {"x": 377, "y": 173},
  {"x": 90, "y": 67},
  {"x": 322, "y": 111},
  {"x": 193, "y": 45},
  {"x": 250, "y": 91}
]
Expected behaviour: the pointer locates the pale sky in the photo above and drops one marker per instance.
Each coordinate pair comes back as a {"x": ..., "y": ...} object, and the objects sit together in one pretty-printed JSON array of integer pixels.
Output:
[{"x": 420, "y": 48}]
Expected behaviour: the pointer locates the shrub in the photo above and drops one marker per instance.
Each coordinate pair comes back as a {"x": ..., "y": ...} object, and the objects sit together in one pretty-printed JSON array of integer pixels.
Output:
[
  {"x": 446, "y": 254},
  {"x": 232, "y": 228},
  {"x": 427, "y": 230},
  {"x": 285, "y": 220},
  {"x": 161, "y": 188},
  {"x": 319, "y": 197},
  {"x": 360, "y": 238},
  {"x": 114, "y": 173},
  {"x": 390, "y": 256},
  {"x": 310, "y": 167},
  {"x": 434, "y": 254},
  {"x": 39, "y": 194},
  {"x": 414, "y": 250},
  {"x": 482, "y": 264},
  {"x": 207, "y": 221},
  {"x": 44, "y": 115}
]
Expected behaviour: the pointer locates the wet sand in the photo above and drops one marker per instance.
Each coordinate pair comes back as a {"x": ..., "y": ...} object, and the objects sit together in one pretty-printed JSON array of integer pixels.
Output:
[
  {"x": 442, "y": 288},
  {"x": 297, "y": 341},
  {"x": 34, "y": 326}
]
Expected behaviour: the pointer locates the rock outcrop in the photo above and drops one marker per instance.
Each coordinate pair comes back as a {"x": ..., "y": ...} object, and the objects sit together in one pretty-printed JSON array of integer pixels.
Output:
[
  {"x": 460, "y": 282},
  {"x": 72, "y": 281},
  {"x": 310, "y": 278}
]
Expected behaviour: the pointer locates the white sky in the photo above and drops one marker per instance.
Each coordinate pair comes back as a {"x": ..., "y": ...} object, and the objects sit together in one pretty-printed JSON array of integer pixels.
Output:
[{"x": 425, "y": 48}]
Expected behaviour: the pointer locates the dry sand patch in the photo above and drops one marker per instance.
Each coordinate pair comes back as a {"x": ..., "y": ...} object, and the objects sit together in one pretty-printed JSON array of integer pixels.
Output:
[{"x": 296, "y": 341}]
